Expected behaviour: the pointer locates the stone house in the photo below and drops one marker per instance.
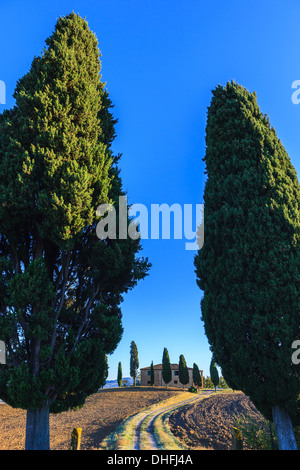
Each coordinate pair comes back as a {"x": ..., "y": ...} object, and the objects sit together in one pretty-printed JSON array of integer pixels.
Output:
[{"x": 158, "y": 380}]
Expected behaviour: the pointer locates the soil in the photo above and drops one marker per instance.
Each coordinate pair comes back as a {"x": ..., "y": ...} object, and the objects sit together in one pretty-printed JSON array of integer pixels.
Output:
[
  {"x": 208, "y": 423},
  {"x": 101, "y": 415},
  {"x": 204, "y": 425}
]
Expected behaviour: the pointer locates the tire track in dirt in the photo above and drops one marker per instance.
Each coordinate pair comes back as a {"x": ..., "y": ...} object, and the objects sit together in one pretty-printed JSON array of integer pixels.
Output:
[
  {"x": 143, "y": 434},
  {"x": 208, "y": 424}
]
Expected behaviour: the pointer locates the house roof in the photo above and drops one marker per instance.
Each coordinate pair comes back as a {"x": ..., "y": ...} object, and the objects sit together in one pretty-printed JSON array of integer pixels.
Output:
[{"x": 159, "y": 367}]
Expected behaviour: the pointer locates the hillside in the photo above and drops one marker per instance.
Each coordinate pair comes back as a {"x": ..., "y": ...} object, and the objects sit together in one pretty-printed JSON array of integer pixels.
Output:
[{"x": 114, "y": 383}]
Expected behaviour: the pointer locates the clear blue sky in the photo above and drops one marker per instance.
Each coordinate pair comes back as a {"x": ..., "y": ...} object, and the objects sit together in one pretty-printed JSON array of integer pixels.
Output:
[{"x": 161, "y": 59}]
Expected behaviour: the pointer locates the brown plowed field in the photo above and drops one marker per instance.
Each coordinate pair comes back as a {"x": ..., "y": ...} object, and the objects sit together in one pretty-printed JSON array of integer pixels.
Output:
[
  {"x": 207, "y": 424},
  {"x": 100, "y": 416}
]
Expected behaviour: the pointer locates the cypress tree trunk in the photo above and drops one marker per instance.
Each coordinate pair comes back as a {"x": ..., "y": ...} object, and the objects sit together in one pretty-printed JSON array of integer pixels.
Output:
[
  {"x": 37, "y": 429},
  {"x": 284, "y": 429}
]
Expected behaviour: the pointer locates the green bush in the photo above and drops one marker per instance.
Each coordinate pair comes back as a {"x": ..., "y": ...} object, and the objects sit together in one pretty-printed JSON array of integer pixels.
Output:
[
  {"x": 193, "y": 389},
  {"x": 257, "y": 434}
]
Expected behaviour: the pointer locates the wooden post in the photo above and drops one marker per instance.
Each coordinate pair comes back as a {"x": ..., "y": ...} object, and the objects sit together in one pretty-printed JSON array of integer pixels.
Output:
[
  {"x": 76, "y": 439},
  {"x": 237, "y": 439}
]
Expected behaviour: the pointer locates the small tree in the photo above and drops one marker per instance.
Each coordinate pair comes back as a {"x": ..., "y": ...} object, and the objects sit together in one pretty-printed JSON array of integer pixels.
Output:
[
  {"x": 138, "y": 378},
  {"x": 197, "y": 379},
  {"x": 134, "y": 361},
  {"x": 222, "y": 383},
  {"x": 207, "y": 383},
  {"x": 120, "y": 374},
  {"x": 183, "y": 371},
  {"x": 214, "y": 374},
  {"x": 166, "y": 367},
  {"x": 152, "y": 374}
]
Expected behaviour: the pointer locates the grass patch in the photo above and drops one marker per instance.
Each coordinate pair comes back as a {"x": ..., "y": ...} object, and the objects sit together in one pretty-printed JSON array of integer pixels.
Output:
[
  {"x": 122, "y": 437},
  {"x": 163, "y": 435},
  {"x": 258, "y": 435}
]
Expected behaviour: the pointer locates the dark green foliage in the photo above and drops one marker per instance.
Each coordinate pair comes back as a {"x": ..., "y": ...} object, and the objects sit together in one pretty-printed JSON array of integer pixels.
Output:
[
  {"x": 134, "y": 361},
  {"x": 120, "y": 374},
  {"x": 166, "y": 367},
  {"x": 249, "y": 266},
  {"x": 152, "y": 374},
  {"x": 60, "y": 286},
  {"x": 197, "y": 376},
  {"x": 183, "y": 371},
  {"x": 105, "y": 372},
  {"x": 214, "y": 374}
]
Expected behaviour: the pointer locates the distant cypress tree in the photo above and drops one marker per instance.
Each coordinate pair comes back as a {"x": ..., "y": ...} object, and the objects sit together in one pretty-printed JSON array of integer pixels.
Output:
[
  {"x": 197, "y": 376},
  {"x": 166, "y": 367},
  {"x": 249, "y": 265},
  {"x": 120, "y": 377},
  {"x": 214, "y": 374},
  {"x": 152, "y": 374},
  {"x": 183, "y": 371},
  {"x": 134, "y": 361}
]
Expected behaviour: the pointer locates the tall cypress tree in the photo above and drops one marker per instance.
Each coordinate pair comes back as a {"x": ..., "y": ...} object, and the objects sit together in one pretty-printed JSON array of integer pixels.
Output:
[
  {"x": 119, "y": 374},
  {"x": 152, "y": 374},
  {"x": 166, "y": 367},
  {"x": 249, "y": 265},
  {"x": 183, "y": 371},
  {"x": 197, "y": 379},
  {"x": 61, "y": 287},
  {"x": 134, "y": 361}
]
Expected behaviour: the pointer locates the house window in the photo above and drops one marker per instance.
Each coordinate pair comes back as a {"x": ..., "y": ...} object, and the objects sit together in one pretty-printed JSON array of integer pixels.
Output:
[
  {"x": 148, "y": 382},
  {"x": 176, "y": 372},
  {"x": 148, "y": 372},
  {"x": 175, "y": 382}
]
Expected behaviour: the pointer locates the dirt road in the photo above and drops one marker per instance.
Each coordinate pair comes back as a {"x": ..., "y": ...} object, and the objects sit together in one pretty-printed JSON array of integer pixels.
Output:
[{"x": 137, "y": 433}]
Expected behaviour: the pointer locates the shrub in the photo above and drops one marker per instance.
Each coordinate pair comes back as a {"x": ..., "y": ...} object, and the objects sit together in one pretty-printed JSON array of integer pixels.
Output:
[{"x": 257, "y": 435}]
